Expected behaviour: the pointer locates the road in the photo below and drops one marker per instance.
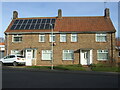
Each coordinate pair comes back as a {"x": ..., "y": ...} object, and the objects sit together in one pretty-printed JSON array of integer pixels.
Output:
[{"x": 34, "y": 78}]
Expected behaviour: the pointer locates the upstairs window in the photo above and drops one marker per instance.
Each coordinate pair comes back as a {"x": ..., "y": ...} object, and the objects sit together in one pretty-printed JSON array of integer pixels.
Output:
[
  {"x": 101, "y": 37},
  {"x": 17, "y": 38},
  {"x": 42, "y": 38},
  {"x": 102, "y": 54},
  {"x": 62, "y": 37},
  {"x": 52, "y": 38},
  {"x": 73, "y": 37}
]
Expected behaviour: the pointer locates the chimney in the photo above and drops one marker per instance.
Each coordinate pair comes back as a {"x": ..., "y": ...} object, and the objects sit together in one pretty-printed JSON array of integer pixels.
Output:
[
  {"x": 59, "y": 13},
  {"x": 15, "y": 14},
  {"x": 107, "y": 13}
]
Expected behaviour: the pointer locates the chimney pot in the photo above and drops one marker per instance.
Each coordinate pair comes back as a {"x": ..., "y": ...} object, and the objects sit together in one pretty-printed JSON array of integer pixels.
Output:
[
  {"x": 15, "y": 14},
  {"x": 59, "y": 13},
  {"x": 107, "y": 13}
]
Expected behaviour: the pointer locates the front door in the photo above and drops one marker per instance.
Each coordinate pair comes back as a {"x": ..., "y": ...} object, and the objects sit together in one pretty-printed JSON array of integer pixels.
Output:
[
  {"x": 85, "y": 57},
  {"x": 29, "y": 57}
]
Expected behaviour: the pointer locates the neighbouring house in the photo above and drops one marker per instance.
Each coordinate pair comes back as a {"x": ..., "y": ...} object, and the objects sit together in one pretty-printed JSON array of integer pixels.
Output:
[
  {"x": 73, "y": 40},
  {"x": 118, "y": 51},
  {"x": 2, "y": 49}
]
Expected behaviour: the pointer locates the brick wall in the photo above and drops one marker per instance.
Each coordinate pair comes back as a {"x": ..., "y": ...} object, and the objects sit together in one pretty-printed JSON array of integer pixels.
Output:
[{"x": 85, "y": 41}]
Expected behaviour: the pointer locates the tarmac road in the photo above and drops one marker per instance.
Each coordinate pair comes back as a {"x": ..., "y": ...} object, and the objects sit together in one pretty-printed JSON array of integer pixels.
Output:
[{"x": 35, "y": 78}]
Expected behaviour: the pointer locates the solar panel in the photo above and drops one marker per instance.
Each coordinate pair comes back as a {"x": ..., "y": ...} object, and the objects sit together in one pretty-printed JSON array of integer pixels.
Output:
[{"x": 31, "y": 24}]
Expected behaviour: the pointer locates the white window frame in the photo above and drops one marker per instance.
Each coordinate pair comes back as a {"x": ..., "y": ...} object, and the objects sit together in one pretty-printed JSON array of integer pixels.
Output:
[
  {"x": 47, "y": 52},
  {"x": 16, "y": 52},
  {"x": 51, "y": 38},
  {"x": 101, "y": 35},
  {"x": 42, "y": 36},
  {"x": 72, "y": 37},
  {"x": 102, "y": 52},
  {"x": 68, "y": 52},
  {"x": 13, "y": 36},
  {"x": 63, "y": 37}
]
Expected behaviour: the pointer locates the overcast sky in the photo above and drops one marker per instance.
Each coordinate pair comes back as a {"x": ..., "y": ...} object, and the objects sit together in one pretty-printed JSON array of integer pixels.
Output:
[{"x": 49, "y": 9}]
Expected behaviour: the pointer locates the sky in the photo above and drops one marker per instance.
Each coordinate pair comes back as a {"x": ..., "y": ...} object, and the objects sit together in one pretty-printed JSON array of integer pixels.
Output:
[{"x": 50, "y": 9}]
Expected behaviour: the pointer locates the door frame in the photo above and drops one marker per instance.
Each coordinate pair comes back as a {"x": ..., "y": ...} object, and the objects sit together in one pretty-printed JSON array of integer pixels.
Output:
[
  {"x": 30, "y": 60},
  {"x": 90, "y": 56}
]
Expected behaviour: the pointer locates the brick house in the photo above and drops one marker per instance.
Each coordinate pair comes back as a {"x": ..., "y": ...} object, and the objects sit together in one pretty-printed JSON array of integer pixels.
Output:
[
  {"x": 2, "y": 49},
  {"x": 75, "y": 40},
  {"x": 118, "y": 51}
]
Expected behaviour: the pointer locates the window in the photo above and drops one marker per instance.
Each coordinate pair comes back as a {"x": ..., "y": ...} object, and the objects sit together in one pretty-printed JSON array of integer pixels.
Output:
[
  {"x": 62, "y": 37},
  {"x": 102, "y": 54},
  {"x": 12, "y": 56},
  {"x": 68, "y": 54},
  {"x": 119, "y": 54},
  {"x": 41, "y": 38},
  {"x": 52, "y": 38},
  {"x": 73, "y": 37},
  {"x": 46, "y": 54},
  {"x": 17, "y": 38},
  {"x": 34, "y": 53},
  {"x": 101, "y": 37},
  {"x": 15, "y": 52}
]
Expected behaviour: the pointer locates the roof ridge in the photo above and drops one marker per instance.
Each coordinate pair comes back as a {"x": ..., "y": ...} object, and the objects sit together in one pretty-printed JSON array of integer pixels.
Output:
[
  {"x": 81, "y": 16},
  {"x": 62, "y": 17},
  {"x": 35, "y": 17}
]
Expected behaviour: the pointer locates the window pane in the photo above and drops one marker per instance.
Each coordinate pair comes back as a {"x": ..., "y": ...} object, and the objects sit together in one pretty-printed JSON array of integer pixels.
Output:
[
  {"x": 102, "y": 55},
  {"x": 42, "y": 38},
  {"x": 46, "y": 54},
  {"x": 101, "y": 37},
  {"x": 68, "y": 55},
  {"x": 62, "y": 37},
  {"x": 52, "y": 38}
]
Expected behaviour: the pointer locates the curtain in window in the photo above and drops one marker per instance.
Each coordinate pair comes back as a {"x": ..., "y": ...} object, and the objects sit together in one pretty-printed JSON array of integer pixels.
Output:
[
  {"x": 102, "y": 55},
  {"x": 68, "y": 55},
  {"x": 46, "y": 54}
]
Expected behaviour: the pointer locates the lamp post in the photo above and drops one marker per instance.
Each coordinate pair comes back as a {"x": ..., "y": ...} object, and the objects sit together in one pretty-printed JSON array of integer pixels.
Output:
[{"x": 51, "y": 46}]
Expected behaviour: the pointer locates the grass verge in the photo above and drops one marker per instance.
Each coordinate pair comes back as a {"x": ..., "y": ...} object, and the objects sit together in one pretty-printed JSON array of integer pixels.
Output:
[
  {"x": 107, "y": 69},
  {"x": 60, "y": 67},
  {"x": 96, "y": 67}
]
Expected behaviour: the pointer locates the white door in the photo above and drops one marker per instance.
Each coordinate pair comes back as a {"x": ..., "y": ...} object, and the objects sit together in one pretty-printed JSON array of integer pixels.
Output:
[
  {"x": 28, "y": 57},
  {"x": 85, "y": 57}
]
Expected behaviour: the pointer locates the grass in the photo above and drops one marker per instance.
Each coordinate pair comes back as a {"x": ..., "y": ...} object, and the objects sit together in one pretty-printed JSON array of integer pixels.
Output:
[
  {"x": 60, "y": 67},
  {"x": 107, "y": 69},
  {"x": 78, "y": 67}
]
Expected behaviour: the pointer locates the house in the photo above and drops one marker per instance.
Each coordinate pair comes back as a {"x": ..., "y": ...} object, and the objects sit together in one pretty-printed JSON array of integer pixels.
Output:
[
  {"x": 73, "y": 40},
  {"x": 2, "y": 49},
  {"x": 118, "y": 51}
]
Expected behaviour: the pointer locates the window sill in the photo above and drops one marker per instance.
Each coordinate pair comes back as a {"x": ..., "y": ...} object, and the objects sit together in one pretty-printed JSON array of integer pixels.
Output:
[
  {"x": 45, "y": 60},
  {"x": 68, "y": 60},
  {"x": 63, "y": 42},
  {"x": 16, "y": 42},
  {"x": 41, "y": 42},
  {"x": 102, "y": 59},
  {"x": 101, "y": 41},
  {"x": 74, "y": 42}
]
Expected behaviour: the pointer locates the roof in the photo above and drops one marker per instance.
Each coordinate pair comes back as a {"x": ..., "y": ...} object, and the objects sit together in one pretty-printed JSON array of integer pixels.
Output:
[{"x": 73, "y": 24}]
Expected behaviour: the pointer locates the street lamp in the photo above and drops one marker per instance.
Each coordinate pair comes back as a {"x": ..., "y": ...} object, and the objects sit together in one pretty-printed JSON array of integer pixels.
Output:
[{"x": 51, "y": 46}]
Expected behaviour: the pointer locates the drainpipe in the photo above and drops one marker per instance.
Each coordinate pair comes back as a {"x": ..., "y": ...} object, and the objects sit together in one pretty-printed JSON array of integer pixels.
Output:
[
  {"x": 111, "y": 48},
  {"x": 7, "y": 42}
]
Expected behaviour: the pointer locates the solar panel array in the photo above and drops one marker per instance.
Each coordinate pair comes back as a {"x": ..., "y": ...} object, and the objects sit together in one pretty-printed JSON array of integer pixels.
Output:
[{"x": 29, "y": 24}]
